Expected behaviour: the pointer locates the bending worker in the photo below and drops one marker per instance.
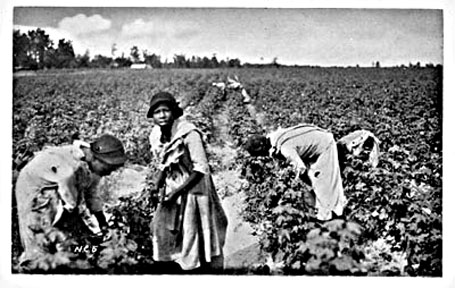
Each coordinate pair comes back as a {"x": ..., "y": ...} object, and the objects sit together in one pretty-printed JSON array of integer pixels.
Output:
[
  {"x": 313, "y": 153},
  {"x": 65, "y": 177}
]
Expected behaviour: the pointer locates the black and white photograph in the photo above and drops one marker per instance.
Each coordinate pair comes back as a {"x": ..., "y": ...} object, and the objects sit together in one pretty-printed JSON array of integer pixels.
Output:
[{"x": 189, "y": 141}]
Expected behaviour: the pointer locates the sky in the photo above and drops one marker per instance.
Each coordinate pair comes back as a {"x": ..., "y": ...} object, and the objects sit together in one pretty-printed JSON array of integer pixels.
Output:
[{"x": 324, "y": 37}]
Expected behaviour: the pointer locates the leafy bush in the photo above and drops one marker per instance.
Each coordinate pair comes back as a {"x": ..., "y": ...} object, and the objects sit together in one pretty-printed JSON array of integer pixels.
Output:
[
  {"x": 280, "y": 206},
  {"x": 393, "y": 222},
  {"x": 70, "y": 248},
  {"x": 398, "y": 202}
]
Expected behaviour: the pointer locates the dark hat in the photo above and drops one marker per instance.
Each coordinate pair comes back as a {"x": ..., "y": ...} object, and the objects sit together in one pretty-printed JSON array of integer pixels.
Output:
[
  {"x": 108, "y": 149},
  {"x": 258, "y": 145},
  {"x": 164, "y": 98}
]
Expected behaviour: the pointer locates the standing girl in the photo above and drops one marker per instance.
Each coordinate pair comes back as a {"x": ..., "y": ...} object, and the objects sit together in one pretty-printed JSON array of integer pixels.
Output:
[{"x": 189, "y": 226}]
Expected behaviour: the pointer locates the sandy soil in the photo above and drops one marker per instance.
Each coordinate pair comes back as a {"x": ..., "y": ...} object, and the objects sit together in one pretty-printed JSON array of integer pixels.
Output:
[{"x": 241, "y": 249}]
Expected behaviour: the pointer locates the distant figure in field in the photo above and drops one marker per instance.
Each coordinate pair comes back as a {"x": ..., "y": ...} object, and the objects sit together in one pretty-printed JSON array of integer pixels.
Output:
[
  {"x": 64, "y": 177},
  {"x": 189, "y": 226},
  {"x": 235, "y": 85}
]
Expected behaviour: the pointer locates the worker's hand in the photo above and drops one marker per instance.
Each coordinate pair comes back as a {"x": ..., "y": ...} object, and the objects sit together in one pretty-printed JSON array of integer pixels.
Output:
[
  {"x": 300, "y": 172},
  {"x": 103, "y": 236},
  {"x": 171, "y": 197},
  {"x": 106, "y": 234},
  {"x": 153, "y": 191}
]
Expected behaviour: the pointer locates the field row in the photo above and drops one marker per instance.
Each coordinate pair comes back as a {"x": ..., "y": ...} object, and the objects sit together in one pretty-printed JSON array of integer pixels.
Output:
[{"x": 397, "y": 205}]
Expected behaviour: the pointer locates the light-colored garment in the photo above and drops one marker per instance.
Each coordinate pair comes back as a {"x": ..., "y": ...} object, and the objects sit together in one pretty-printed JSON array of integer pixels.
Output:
[
  {"x": 192, "y": 230},
  {"x": 356, "y": 141},
  {"x": 55, "y": 179},
  {"x": 311, "y": 148}
]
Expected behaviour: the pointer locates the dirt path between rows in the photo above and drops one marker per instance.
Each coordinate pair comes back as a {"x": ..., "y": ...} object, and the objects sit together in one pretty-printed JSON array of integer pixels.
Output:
[{"x": 241, "y": 249}]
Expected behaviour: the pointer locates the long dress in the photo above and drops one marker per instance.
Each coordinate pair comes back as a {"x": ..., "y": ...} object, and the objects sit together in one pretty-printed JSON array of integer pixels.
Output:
[
  {"x": 316, "y": 149},
  {"x": 192, "y": 230}
]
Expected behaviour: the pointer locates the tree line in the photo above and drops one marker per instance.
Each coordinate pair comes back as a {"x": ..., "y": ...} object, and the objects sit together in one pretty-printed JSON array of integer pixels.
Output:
[{"x": 35, "y": 50}]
